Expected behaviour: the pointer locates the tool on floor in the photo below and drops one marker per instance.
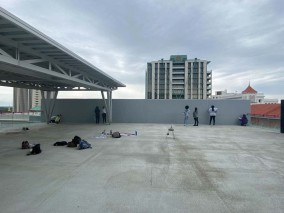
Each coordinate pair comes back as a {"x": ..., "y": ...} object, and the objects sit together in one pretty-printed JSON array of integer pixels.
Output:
[{"x": 171, "y": 129}]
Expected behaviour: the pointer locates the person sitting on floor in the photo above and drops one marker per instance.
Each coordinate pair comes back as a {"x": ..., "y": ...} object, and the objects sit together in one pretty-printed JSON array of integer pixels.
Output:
[
  {"x": 243, "y": 120},
  {"x": 55, "y": 119}
]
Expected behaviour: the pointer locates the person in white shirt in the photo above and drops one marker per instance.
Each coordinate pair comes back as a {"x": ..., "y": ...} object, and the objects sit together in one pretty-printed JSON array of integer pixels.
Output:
[
  {"x": 212, "y": 112},
  {"x": 186, "y": 115},
  {"x": 104, "y": 114}
]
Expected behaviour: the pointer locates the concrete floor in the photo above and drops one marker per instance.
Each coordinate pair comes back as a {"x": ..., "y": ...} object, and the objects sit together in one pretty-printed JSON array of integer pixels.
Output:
[{"x": 204, "y": 169}]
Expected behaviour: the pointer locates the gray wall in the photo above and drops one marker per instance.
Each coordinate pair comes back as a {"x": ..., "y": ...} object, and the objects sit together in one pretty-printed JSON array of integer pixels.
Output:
[{"x": 151, "y": 111}]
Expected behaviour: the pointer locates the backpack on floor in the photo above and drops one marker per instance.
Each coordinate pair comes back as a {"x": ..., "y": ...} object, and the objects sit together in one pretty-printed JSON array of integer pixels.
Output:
[
  {"x": 84, "y": 145},
  {"x": 60, "y": 143},
  {"x": 76, "y": 140},
  {"x": 25, "y": 145},
  {"x": 36, "y": 150},
  {"x": 71, "y": 144},
  {"x": 116, "y": 135}
]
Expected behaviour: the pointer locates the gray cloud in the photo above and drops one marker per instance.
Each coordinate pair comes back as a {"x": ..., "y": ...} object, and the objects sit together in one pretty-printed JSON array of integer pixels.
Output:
[{"x": 243, "y": 39}]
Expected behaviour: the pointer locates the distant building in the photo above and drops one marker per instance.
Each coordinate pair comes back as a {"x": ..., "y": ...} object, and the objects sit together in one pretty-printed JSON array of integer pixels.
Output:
[
  {"x": 266, "y": 115},
  {"x": 178, "y": 78},
  {"x": 21, "y": 99},
  {"x": 266, "y": 110},
  {"x": 248, "y": 94},
  {"x": 25, "y": 99},
  {"x": 5, "y": 109}
]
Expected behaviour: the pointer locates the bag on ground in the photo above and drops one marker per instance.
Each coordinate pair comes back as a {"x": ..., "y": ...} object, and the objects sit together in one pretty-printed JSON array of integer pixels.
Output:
[
  {"x": 116, "y": 135},
  {"x": 35, "y": 150},
  {"x": 84, "y": 145},
  {"x": 76, "y": 140},
  {"x": 71, "y": 144},
  {"x": 60, "y": 143},
  {"x": 25, "y": 145}
]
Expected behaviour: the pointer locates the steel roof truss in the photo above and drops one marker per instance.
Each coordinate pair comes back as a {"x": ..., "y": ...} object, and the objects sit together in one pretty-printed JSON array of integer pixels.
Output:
[
  {"x": 33, "y": 61},
  {"x": 4, "y": 53},
  {"x": 48, "y": 72},
  {"x": 60, "y": 69},
  {"x": 26, "y": 52},
  {"x": 28, "y": 49}
]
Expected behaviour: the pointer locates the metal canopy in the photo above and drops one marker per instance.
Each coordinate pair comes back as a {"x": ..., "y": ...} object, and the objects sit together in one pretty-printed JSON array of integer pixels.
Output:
[{"x": 30, "y": 59}]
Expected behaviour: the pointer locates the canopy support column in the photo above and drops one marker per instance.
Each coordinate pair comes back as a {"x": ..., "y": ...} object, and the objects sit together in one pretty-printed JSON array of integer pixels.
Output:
[
  {"x": 109, "y": 97},
  {"x": 108, "y": 105},
  {"x": 47, "y": 95},
  {"x": 282, "y": 117}
]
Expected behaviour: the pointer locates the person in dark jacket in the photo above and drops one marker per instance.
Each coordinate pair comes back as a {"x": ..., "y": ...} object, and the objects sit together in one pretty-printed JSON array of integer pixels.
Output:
[
  {"x": 243, "y": 120},
  {"x": 195, "y": 116},
  {"x": 97, "y": 114}
]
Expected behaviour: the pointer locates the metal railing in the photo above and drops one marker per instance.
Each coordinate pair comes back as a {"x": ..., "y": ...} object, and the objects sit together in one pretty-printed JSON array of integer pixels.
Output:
[{"x": 18, "y": 119}]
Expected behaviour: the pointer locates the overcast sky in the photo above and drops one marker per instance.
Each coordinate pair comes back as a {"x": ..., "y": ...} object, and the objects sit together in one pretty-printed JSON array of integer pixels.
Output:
[{"x": 243, "y": 39}]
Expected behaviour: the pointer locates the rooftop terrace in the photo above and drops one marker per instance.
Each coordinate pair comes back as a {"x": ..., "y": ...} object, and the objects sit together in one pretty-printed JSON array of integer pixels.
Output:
[{"x": 204, "y": 169}]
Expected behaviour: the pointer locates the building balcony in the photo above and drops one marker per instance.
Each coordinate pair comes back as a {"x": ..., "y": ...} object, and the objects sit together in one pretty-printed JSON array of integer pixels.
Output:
[
  {"x": 178, "y": 83},
  {"x": 179, "y": 66},
  {"x": 178, "y": 77},
  {"x": 177, "y": 88},
  {"x": 178, "y": 72}
]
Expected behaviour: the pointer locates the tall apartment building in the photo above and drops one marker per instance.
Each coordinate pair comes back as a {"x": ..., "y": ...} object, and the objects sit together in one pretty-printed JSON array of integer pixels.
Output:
[
  {"x": 178, "y": 78},
  {"x": 25, "y": 99}
]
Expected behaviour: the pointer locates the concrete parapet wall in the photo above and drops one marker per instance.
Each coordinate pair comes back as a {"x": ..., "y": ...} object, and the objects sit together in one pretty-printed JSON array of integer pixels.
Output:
[{"x": 150, "y": 111}]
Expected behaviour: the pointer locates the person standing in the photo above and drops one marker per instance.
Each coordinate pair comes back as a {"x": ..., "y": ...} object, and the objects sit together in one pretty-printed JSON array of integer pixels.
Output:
[
  {"x": 97, "y": 114},
  {"x": 212, "y": 112},
  {"x": 104, "y": 114},
  {"x": 195, "y": 116},
  {"x": 186, "y": 115}
]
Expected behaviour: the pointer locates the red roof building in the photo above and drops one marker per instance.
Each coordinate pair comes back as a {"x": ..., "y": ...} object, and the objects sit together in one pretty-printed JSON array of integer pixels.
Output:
[
  {"x": 249, "y": 90},
  {"x": 266, "y": 110},
  {"x": 248, "y": 94}
]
